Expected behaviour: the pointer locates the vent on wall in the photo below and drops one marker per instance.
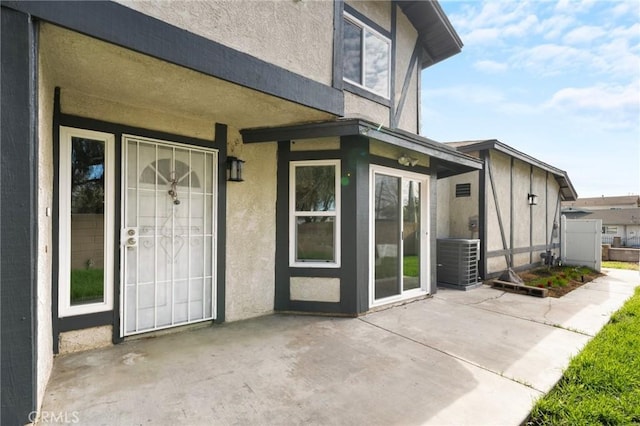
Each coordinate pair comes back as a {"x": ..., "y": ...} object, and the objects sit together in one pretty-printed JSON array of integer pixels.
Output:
[
  {"x": 463, "y": 190},
  {"x": 457, "y": 261}
]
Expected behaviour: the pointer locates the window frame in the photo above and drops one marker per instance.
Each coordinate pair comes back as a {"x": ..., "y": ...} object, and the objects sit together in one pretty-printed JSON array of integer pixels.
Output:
[
  {"x": 65, "y": 308},
  {"x": 293, "y": 215},
  {"x": 358, "y": 22}
]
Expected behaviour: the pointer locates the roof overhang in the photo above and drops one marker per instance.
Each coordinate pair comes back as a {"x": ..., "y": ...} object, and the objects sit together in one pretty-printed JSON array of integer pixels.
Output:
[
  {"x": 437, "y": 36},
  {"x": 567, "y": 190},
  {"x": 449, "y": 161}
]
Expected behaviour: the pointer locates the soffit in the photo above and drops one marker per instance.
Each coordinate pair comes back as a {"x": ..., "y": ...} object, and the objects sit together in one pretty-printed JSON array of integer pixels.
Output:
[
  {"x": 449, "y": 161},
  {"x": 436, "y": 34},
  {"x": 102, "y": 70}
]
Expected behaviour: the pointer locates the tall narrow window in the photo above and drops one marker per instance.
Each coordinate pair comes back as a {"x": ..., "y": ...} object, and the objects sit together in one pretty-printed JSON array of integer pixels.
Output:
[
  {"x": 366, "y": 55},
  {"x": 86, "y": 218},
  {"x": 315, "y": 218}
]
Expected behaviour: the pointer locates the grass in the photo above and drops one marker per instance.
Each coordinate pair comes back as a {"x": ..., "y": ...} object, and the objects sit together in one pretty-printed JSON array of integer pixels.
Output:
[
  {"x": 601, "y": 386},
  {"x": 612, "y": 264},
  {"x": 388, "y": 267},
  {"x": 87, "y": 285},
  {"x": 558, "y": 276}
]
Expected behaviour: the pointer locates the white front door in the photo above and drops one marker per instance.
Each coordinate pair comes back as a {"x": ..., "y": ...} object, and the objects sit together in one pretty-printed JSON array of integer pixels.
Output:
[
  {"x": 399, "y": 248},
  {"x": 168, "y": 234}
]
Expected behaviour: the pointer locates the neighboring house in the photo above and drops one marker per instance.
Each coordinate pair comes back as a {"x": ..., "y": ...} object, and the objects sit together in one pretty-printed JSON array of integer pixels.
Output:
[
  {"x": 623, "y": 223},
  {"x": 604, "y": 203},
  {"x": 512, "y": 206},
  {"x": 171, "y": 163}
]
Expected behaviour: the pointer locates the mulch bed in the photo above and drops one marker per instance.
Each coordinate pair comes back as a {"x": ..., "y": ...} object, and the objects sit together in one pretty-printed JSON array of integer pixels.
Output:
[{"x": 558, "y": 291}]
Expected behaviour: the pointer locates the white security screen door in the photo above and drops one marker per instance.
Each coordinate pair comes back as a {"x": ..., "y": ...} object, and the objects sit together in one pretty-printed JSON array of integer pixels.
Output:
[
  {"x": 168, "y": 234},
  {"x": 399, "y": 240}
]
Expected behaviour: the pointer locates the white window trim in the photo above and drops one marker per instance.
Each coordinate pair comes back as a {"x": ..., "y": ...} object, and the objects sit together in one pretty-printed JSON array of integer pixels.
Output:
[
  {"x": 425, "y": 249},
  {"x": 293, "y": 214},
  {"x": 65, "y": 309},
  {"x": 386, "y": 39}
]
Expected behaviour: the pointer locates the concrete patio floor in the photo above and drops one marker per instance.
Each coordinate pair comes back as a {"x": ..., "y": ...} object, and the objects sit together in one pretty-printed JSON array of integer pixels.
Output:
[{"x": 479, "y": 357}]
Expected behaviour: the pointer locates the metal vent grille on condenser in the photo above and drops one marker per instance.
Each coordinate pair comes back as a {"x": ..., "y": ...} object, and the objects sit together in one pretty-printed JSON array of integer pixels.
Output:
[{"x": 457, "y": 261}]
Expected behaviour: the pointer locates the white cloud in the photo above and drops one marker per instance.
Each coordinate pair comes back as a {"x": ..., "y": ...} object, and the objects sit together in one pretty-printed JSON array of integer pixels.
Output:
[
  {"x": 553, "y": 27},
  {"x": 600, "y": 97},
  {"x": 491, "y": 67},
  {"x": 481, "y": 36},
  {"x": 612, "y": 106},
  {"x": 551, "y": 59},
  {"x": 467, "y": 93},
  {"x": 584, "y": 34},
  {"x": 574, "y": 6}
]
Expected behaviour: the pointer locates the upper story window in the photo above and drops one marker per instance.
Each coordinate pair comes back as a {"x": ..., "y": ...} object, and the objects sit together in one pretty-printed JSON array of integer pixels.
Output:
[{"x": 366, "y": 55}]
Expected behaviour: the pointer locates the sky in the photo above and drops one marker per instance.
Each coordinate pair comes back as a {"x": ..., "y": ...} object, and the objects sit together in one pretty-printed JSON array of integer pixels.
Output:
[{"x": 558, "y": 80}]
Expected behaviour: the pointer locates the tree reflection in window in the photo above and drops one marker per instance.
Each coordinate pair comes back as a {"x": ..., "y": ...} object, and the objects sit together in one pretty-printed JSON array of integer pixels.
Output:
[{"x": 87, "y": 176}]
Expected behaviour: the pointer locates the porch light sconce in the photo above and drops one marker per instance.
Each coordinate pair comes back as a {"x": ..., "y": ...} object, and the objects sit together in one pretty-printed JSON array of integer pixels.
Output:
[
  {"x": 533, "y": 199},
  {"x": 407, "y": 161},
  {"x": 234, "y": 169}
]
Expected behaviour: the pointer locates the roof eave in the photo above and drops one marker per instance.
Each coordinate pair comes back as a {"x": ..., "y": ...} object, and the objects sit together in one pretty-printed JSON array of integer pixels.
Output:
[
  {"x": 450, "y": 162},
  {"x": 436, "y": 34},
  {"x": 567, "y": 189}
]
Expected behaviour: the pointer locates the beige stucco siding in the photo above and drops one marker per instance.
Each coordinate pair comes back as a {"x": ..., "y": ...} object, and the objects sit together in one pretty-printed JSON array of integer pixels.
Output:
[
  {"x": 443, "y": 208},
  {"x": 539, "y": 224},
  {"x": 45, "y": 209},
  {"x": 295, "y": 35},
  {"x": 393, "y": 152},
  {"x": 315, "y": 289},
  {"x": 358, "y": 107},
  {"x": 501, "y": 166},
  {"x": 521, "y": 209},
  {"x": 406, "y": 36},
  {"x": 251, "y": 233},
  {"x": 378, "y": 11},
  {"x": 463, "y": 209}
]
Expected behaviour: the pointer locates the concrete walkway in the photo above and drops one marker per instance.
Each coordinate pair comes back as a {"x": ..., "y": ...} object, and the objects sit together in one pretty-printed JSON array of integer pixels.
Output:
[{"x": 461, "y": 358}]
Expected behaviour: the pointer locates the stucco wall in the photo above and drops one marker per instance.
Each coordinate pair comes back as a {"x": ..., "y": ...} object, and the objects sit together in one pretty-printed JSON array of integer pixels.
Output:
[
  {"x": 295, "y": 35},
  {"x": 463, "y": 209},
  {"x": 45, "y": 205},
  {"x": 315, "y": 289},
  {"x": 251, "y": 231},
  {"x": 378, "y": 11},
  {"x": 405, "y": 42},
  {"x": 501, "y": 165},
  {"x": 532, "y": 225},
  {"x": 83, "y": 340},
  {"x": 521, "y": 209},
  {"x": 393, "y": 152},
  {"x": 358, "y": 107},
  {"x": 443, "y": 208}
]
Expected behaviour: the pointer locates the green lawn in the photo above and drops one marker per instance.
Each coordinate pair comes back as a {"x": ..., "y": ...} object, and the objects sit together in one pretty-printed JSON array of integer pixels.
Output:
[
  {"x": 612, "y": 264},
  {"x": 602, "y": 384},
  {"x": 87, "y": 285},
  {"x": 388, "y": 267}
]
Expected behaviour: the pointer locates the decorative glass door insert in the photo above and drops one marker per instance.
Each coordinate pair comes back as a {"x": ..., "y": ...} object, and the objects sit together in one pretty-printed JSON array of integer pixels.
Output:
[{"x": 168, "y": 235}]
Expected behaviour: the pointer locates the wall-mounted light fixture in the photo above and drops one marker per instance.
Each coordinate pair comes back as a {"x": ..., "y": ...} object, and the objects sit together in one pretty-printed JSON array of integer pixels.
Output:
[
  {"x": 533, "y": 199},
  {"x": 234, "y": 169},
  {"x": 405, "y": 160}
]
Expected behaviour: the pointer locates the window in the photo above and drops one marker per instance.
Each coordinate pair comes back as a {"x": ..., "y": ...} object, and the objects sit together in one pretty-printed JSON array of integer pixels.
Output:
[
  {"x": 463, "y": 190},
  {"x": 609, "y": 229},
  {"x": 315, "y": 219},
  {"x": 86, "y": 222},
  {"x": 366, "y": 56}
]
